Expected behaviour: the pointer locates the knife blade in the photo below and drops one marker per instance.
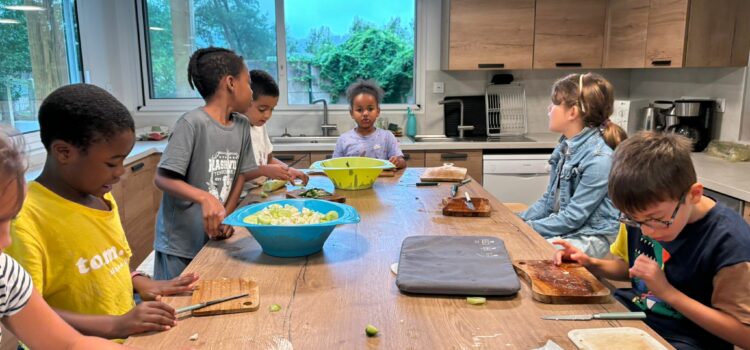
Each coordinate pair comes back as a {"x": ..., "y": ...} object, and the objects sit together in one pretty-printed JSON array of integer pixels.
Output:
[
  {"x": 209, "y": 303},
  {"x": 454, "y": 188},
  {"x": 469, "y": 203},
  {"x": 601, "y": 316}
]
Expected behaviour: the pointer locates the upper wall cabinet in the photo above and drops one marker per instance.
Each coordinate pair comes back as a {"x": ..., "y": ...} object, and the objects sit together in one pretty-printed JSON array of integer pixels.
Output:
[
  {"x": 676, "y": 33},
  {"x": 569, "y": 33},
  {"x": 488, "y": 34}
]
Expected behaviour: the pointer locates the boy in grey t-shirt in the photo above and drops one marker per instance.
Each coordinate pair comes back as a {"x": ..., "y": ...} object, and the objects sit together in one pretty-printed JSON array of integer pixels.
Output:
[{"x": 209, "y": 148}]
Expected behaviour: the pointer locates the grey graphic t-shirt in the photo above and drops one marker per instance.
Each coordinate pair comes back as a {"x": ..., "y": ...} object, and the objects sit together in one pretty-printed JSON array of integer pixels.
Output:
[{"x": 208, "y": 156}]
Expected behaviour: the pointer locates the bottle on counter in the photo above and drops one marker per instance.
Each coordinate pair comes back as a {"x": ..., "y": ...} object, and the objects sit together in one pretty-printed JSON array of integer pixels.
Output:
[{"x": 411, "y": 123}]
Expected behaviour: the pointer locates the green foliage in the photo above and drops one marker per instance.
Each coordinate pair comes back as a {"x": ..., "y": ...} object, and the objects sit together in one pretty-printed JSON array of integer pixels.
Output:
[{"x": 15, "y": 61}]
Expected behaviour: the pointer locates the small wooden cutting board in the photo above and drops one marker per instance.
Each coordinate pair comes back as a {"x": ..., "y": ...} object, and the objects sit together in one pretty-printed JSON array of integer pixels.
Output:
[
  {"x": 297, "y": 194},
  {"x": 444, "y": 173},
  {"x": 215, "y": 289},
  {"x": 564, "y": 284},
  {"x": 458, "y": 207}
]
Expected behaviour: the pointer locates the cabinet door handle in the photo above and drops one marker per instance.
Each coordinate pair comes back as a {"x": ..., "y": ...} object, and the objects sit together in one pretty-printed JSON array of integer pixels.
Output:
[
  {"x": 491, "y": 65},
  {"x": 137, "y": 167},
  {"x": 454, "y": 156},
  {"x": 661, "y": 62},
  {"x": 407, "y": 156},
  {"x": 285, "y": 157},
  {"x": 568, "y": 64}
]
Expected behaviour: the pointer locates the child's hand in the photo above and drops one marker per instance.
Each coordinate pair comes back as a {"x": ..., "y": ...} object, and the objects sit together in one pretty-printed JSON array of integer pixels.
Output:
[
  {"x": 277, "y": 171},
  {"x": 570, "y": 252},
  {"x": 225, "y": 231},
  {"x": 152, "y": 289},
  {"x": 650, "y": 272},
  {"x": 213, "y": 214},
  {"x": 398, "y": 161},
  {"x": 147, "y": 316},
  {"x": 296, "y": 174}
]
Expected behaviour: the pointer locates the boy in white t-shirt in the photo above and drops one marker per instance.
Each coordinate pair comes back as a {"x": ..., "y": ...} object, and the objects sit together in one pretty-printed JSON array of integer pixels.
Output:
[{"x": 265, "y": 98}]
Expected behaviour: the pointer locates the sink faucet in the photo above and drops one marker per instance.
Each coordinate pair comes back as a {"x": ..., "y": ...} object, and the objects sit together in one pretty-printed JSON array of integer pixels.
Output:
[
  {"x": 325, "y": 126},
  {"x": 461, "y": 127}
]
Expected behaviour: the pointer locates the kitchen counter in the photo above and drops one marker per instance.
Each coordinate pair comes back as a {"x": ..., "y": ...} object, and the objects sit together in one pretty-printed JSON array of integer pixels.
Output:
[
  {"x": 328, "y": 298},
  {"x": 719, "y": 175}
]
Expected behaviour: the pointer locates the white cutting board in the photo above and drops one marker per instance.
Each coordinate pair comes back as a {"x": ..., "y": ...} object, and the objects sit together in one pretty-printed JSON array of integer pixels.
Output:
[{"x": 617, "y": 338}]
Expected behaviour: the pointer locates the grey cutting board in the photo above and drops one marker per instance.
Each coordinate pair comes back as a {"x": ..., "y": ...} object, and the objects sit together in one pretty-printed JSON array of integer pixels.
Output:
[{"x": 456, "y": 265}]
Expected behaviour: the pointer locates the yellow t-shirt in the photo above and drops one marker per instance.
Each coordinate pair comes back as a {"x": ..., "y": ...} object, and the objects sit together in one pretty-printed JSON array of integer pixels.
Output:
[
  {"x": 77, "y": 256},
  {"x": 620, "y": 247}
]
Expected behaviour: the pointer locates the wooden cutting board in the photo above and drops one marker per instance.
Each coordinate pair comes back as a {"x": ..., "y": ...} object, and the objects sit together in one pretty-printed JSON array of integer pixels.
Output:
[
  {"x": 215, "y": 289},
  {"x": 444, "y": 173},
  {"x": 457, "y": 207},
  {"x": 564, "y": 284},
  {"x": 388, "y": 173},
  {"x": 615, "y": 338},
  {"x": 297, "y": 194}
]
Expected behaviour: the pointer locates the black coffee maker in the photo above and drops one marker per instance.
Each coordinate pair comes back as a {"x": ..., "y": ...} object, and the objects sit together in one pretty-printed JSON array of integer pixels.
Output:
[{"x": 693, "y": 119}]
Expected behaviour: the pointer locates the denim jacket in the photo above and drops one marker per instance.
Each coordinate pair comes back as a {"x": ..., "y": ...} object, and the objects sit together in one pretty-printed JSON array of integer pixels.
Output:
[{"x": 585, "y": 207}]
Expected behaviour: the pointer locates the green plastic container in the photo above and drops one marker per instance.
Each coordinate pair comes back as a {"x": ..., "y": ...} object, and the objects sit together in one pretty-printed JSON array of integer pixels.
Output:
[{"x": 352, "y": 173}]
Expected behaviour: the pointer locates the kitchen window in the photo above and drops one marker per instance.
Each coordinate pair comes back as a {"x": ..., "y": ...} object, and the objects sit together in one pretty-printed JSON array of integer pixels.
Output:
[
  {"x": 314, "y": 49},
  {"x": 41, "y": 52}
]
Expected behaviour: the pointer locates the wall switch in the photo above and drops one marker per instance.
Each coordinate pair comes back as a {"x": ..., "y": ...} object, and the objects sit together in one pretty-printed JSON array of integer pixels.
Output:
[
  {"x": 721, "y": 105},
  {"x": 438, "y": 87}
]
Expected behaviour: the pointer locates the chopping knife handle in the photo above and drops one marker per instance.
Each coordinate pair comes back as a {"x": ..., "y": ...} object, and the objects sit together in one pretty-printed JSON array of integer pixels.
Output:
[
  {"x": 426, "y": 183},
  {"x": 621, "y": 316}
]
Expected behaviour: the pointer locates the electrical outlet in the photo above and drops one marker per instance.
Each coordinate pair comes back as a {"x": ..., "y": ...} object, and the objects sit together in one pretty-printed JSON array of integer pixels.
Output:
[
  {"x": 721, "y": 105},
  {"x": 438, "y": 87}
]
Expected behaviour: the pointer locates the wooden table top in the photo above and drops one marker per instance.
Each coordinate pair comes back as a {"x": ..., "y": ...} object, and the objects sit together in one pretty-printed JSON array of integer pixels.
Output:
[{"x": 328, "y": 298}]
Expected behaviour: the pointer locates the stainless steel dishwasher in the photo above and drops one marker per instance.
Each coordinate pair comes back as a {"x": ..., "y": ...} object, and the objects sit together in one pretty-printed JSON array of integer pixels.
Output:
[{"x": 516, "y": 178}]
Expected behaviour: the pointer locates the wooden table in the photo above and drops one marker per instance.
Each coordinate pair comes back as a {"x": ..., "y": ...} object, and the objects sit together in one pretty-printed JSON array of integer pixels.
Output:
[{"x": 328, "y": 298}]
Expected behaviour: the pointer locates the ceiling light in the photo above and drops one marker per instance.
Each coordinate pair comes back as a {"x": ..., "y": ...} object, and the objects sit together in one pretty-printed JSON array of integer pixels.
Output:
[{"x": 24, "y": 8}]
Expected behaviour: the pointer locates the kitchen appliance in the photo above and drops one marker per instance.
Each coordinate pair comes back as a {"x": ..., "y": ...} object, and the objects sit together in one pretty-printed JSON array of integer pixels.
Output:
[
  {"x": 654, "y": 117},
  {"x": 627, "y": 114},
  {"x": 692, "y": 118},
  {"x": 516, "y": 178}
]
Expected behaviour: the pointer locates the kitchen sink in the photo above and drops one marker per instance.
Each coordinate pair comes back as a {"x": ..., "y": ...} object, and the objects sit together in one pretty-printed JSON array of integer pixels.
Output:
[
  {"x": 304, "y": 139},
  {"x": 441, "y": 138}
]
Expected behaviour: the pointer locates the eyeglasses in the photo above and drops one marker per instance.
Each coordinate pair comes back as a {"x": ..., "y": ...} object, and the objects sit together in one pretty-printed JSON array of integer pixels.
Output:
[{"x": 657, "y": 224}]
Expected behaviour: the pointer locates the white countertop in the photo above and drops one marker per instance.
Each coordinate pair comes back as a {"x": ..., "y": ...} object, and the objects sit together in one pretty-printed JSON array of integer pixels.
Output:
[{"x": 729, "y": 178}]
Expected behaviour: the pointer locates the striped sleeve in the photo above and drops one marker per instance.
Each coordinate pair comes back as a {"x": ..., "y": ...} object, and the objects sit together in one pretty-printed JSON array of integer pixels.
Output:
[{"x": 15, "y": 286}]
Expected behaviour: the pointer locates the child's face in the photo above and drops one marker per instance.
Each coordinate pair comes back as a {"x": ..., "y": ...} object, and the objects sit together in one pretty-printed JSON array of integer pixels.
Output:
[
  {"x": 95, "y": 171},
  {"x": 261, "y": 109},
  {"x": 653, "y": 219},
  {"x": 364, "y": 110},
  {"x": 243, "y": 94},
  {"x": 9, "y": 208},
  {"x": 560, "y": 117}
]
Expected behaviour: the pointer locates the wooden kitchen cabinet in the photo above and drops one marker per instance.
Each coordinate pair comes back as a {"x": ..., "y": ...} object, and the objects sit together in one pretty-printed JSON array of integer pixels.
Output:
[
  {"x": 488, "y": 34},
  {"x": 138, "y": 200},
  {"x": 317, "y": 156},
  {"x": 469, "y": 159},
  {"x": 414, "y": 159},
  {"x": 626, "y": 33},
  {"x": 569, "y": 33},
  {"x": 710, "y": 33},
  {"x": 667, "y": 23},
  {"x": 302, "y": 159}
]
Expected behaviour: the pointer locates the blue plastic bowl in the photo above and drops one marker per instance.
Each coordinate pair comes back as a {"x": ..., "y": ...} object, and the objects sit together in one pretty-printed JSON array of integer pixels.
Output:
[{"x": 294, "y": 240}]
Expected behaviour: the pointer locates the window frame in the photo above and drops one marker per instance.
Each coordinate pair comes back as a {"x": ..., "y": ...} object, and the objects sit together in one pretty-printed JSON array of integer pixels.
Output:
[{"x": 149, "y": 104}]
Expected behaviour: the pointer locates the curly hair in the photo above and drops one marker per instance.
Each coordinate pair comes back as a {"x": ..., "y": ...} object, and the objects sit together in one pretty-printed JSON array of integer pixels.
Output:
[
  {"x": 82, "y": 114},
  {"x": 13, "y": 162},
  {"x": 209, "y": 65},
  {"x": 263, "y": 84},
  {"x": 361, "y": 86}
]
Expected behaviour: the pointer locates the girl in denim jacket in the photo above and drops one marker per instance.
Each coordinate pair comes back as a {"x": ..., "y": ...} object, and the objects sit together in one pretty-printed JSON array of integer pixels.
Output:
[{"x": 575, "y": 205}]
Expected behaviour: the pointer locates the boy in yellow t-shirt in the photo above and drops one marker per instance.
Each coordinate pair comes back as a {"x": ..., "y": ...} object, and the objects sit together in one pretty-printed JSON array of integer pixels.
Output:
[{"x": 68, "y": 234}]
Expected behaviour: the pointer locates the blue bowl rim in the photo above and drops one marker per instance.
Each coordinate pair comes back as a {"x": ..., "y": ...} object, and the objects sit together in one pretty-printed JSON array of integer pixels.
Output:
[
  {"x": 350, "y": 214},
  {"x": 386, "y": 164}
]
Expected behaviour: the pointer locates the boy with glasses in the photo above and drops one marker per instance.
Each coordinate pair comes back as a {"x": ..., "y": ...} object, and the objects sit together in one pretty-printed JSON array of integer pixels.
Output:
[{"x": 688, "y": 257}]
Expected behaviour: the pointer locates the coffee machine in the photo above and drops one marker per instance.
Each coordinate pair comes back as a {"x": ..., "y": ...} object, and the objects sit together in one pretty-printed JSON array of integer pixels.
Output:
[{"x": 694, "y": 120}]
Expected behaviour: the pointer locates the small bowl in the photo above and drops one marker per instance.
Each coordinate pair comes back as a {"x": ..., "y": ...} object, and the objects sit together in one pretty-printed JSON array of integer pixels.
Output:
[
  {"x": 294, "y": 240},
  {"x": 353, "y": 173}
]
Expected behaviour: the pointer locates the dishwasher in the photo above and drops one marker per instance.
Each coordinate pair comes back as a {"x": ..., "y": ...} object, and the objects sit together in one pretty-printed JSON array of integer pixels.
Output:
[{"x": 516, "y": 178}]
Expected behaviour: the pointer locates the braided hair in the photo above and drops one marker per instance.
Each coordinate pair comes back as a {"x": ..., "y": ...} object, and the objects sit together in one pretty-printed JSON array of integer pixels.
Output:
[{"x": 209, "y": 65}]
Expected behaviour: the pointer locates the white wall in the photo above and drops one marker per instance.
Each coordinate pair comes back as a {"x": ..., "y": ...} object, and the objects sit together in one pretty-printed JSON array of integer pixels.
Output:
[{"x": 110, "y": 55}]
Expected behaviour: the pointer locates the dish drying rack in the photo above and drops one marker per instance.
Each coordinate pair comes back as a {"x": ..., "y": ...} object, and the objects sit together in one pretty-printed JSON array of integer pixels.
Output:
[{"x": 506, "y": 110}]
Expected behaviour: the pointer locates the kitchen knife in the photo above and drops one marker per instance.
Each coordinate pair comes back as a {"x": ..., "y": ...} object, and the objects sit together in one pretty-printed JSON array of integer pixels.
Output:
[
  {"x": 602, "y": 316},
  {"x": 454, "y": 188},
  {"x": 469, "y": 203},
  {"x": 209, "y": 303}
]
